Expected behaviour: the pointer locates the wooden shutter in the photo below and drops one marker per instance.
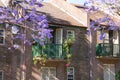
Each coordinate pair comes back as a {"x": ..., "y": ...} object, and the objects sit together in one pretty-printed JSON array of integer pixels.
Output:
[
  {"x": 59, "y": 34},
  {"x": 115, "y": 42}
]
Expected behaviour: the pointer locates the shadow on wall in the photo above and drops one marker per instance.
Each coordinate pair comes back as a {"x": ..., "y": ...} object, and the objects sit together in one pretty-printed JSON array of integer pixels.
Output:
[
  {"x": 81, "y": 54},
  {"x": 10, "y": 59}
]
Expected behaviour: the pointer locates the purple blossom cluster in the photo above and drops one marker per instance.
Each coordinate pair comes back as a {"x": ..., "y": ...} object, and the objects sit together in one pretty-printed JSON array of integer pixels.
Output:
[
  {"x": 31, "y": 20},
  {"x": 100, "y": 23}
]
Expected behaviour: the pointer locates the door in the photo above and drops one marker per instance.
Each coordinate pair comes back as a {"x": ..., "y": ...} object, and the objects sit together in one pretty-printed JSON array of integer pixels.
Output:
[{"x": 109, "y": 72}]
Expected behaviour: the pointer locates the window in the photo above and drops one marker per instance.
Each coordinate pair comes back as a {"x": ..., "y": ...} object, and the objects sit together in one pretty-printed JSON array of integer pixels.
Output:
[
  {"x": 109, "y": 71},
  {"x": 70, "y": 73},
  {"x": 1, "y": 75},
  {"x": 2, "y": 36},
  {"x": 70, "y": 34},
  {"x": 48, "y": 73}
]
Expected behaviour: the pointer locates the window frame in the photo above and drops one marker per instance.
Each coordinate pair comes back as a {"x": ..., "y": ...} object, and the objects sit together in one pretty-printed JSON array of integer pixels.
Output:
[
  {"x": 72, "y": 34},
  {"x": 2, "y": 74},
  {"x": 48, "y": 69},
  {"x": 109, "y": 66},
  {"x": 73, "y": 72},
  {"x": 3, "y": 37}
]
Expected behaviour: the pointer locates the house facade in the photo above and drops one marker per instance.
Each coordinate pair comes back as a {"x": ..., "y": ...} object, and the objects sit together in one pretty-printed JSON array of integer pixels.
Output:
[
  {"x": 92, "y": 59},
  {"x": 106, "y": 52},
  {"x": 64, "y": 25}
]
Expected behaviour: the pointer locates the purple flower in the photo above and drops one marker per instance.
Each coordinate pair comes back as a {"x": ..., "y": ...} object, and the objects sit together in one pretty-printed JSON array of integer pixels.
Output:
[
  {"x": 40, "y": 5},
  {"x": 26, "y": 17},
  {"x": 32, "y": 2},
  {"x": 7, "y": 25},
  {"x": 16, "y": 46},
  {"x": 19, "y": 20},
  {"x": 3, "y": 16},
  {"x": 15, "y": 29},
  {"x": 15, "y": 12},
  {"x": 88, "y": 33},
  {"x": 92, "y": 23},
  {"x": 27, "y": 0},
  {"x": 102, "y": 36},
  {"x": 113, "y": 28},
  {"x": 18, "y": 36}
]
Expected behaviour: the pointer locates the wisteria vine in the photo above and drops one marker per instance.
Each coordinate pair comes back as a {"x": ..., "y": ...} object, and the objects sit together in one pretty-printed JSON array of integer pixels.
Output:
[
  {"x": 15, "y": 17},
  {"x": 102, "y": 23}
]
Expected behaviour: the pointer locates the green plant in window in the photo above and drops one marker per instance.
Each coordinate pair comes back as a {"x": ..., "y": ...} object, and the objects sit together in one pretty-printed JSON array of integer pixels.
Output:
[
  {"x": 41, "y": 56},
  {"x": 70, "y": 41},
  {"x": 40, "y": 59},
  {"x": 67, "y": 45}
]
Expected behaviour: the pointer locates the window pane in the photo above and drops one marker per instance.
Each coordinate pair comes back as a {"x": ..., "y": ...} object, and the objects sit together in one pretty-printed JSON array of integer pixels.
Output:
[
  {"x": 70, "y": 34},
  {"x": 1, "y": 40},
  {"x": 0, "y": 75},
  {"x": 48, "y": 73},
  {"x": 1, "y": 32},
  {"x": 1, "y": 36},
  {"x": 70, "y": 73}
]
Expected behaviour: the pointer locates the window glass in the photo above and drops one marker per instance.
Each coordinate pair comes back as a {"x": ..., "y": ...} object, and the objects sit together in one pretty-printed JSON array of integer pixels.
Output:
[
  {"x": 1, "y": 75},
  {"x": 70, "y": 73},
  {"x": 2, "y": 36},
  {"x": 70, "y": 34},
  {"x": 48, "y": 73}
]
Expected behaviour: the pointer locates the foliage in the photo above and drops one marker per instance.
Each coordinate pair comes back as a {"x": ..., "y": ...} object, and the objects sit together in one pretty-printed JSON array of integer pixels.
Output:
[
  {"x": 67, "y": 45},
  {"x": 15, "y": 15},
  {"x": 105, "y": 22},
  {"x": 39, "y": 56},
  {"x": 117, "y": 76},
  {"x": 40, "y": 59}
]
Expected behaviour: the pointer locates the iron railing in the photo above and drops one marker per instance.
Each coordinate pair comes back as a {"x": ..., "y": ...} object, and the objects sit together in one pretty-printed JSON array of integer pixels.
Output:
[
  {"x": 53, "y": 51},
  {"x": 107, "y": 49}
]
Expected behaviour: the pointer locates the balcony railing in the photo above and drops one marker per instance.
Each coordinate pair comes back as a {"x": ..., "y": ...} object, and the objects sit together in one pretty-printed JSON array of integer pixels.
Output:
[
  {"x": 107, "y": 49},
  {"x": 53, "y": 51}
]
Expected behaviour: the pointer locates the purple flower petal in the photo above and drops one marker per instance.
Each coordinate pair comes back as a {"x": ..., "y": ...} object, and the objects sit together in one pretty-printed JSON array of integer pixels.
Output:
[
  {"x": 15, "y": 29},
  {"x": 16, "y": 46},
  {"x": 7, "y": 25},
  {"x": 40, "y": 5},
  {"x": 102, "y": 36}
]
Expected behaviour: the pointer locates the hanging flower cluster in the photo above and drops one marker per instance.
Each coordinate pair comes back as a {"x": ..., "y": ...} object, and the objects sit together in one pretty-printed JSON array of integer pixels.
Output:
[
  {"x": 100, "y": 23},
  {"x": 14, "y": 19}
]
